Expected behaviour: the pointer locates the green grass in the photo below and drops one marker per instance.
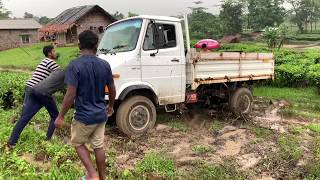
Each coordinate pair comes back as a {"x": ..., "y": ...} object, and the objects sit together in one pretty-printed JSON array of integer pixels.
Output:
[
  {"x": 296, "y": 130},
  {"x": 179, "y": 125},
  {"x": 157, "y": 164},
  {"x": 228, "y": 170},
  {"x": 314, "y": 166},
  {"x": 305, "y": 102},
  {"x": 200, "y": 149},
  {"x": 62, "y": 157},
  {"x": 314, "y": 127},
  {"x": 29, "y": 57},
  {"x": 216, "y": 126},
  {"x": 111, "y": 162},
  {"x": 317, "y": 148},
  {"x": 314, "y": 171},
  {"x": 290, "y": 147},
  {"x": 259, "y": 132},
  {"x": 286, "y": 158}
]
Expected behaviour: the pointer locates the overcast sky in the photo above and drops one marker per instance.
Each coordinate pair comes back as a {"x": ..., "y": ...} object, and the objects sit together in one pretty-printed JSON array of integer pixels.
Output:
[{"x": 52, "y": 8}]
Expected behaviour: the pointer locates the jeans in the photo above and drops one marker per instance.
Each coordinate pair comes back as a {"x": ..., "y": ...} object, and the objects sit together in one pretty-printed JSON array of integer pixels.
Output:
[{"x": 33, "y": 102}]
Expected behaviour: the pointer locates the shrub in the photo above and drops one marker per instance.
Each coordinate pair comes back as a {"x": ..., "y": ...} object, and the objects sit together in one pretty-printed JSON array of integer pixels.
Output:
[
  {"x": 275, "y": 36},
  {"x": 14, "y": 84}
]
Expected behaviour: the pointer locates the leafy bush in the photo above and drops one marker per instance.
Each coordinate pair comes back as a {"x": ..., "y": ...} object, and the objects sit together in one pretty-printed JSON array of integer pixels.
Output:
[
  {"x": 13, "y": 166},
  {"x": 12, "y": 83},
  {"x": 297, "y": 69},
  {"x": 244, "y": 47},
  {"x": 275, "y": 36},
  {"x": 314, "y": 74},
  {"x": 305, "y": 37},
  {"x": 291, "y": 75},
  {"x": 292, "y": 68}
]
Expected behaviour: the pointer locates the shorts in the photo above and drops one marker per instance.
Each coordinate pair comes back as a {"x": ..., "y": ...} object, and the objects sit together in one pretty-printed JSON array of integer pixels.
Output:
[{"x": 82, "y": 134}]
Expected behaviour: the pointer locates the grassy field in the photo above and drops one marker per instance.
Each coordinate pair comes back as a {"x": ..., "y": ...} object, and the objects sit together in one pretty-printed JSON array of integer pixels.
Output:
[
  {"x": 29, "y": 57},
  {"x": 304, "y": 102}
]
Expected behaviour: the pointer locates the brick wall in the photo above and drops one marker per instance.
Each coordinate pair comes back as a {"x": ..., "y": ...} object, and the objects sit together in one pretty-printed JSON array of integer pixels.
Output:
[
  {"x": 94, "y": 20},
  {"x": 13, "y": 38}
]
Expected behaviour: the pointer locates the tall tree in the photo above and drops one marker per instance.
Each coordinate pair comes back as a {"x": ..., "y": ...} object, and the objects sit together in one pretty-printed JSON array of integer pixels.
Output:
[
  {"x": 118, "y": 15},
  {"x": 231, "y": 17},
  {"x": 315, "y": 13},
  {"x": 203, "y": 24},
  {"x": 263, "y": 13},
  {"x": 4, "y": 13},
  {"x": 304, "y": 12},
  {"x": 28, "y": 15},
  {"x": 132, "y": 14},
  {"x": 44, "y": 20}
]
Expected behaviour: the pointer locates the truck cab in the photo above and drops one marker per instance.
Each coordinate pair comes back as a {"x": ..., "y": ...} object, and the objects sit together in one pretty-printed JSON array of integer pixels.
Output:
[{"x": 147, "y": 52}]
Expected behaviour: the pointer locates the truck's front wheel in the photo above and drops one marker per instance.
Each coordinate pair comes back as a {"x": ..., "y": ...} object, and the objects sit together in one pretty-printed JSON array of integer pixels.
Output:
[
  {"x": 136, "y": 115},
  {"x": 241, "y": 101}
]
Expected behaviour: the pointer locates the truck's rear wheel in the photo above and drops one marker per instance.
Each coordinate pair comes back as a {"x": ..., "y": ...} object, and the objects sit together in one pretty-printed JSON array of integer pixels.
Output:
[
  {"x": 241, "y": 101},
  {"x": 136, "y": 115}
]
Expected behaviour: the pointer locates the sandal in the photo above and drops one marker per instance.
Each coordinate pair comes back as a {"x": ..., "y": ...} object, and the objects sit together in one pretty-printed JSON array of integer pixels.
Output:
[{"x": 85, "y": 178}]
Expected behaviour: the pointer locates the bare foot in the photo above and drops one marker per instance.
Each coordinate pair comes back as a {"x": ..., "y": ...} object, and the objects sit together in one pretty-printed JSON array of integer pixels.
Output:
[{"x": 9, "y": 147}]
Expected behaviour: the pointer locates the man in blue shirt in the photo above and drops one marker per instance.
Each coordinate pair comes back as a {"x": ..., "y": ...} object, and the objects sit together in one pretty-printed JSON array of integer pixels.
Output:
[{"x": 87, "y": 78}]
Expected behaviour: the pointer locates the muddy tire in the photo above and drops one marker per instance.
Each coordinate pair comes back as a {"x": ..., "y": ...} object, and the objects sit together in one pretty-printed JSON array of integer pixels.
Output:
[
  {"x": 241, "y": 101},
  {"x": 136, "y": 115}
]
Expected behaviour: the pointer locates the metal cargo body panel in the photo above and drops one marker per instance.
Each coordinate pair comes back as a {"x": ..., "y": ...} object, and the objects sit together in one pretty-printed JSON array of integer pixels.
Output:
[{"x": 208, "y": 68}]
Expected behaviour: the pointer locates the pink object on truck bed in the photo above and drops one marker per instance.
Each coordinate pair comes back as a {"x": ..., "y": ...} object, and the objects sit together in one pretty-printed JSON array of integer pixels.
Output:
[{"x": 208, "y": 44}]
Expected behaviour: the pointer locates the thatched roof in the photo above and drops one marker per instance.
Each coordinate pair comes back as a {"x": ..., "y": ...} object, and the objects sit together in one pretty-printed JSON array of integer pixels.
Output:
[{"x": 70, "y": 17}]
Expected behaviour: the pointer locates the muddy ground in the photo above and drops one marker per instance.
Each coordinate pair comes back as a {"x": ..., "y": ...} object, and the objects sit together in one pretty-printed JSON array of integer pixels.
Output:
[
  {"x": 215, "y": 136},
  {"x": 236, "y": 139}
]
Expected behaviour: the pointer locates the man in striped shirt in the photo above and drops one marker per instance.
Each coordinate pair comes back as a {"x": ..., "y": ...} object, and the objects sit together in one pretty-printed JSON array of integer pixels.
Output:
[
  {"x": 43, "y": 70},
  {"x": 47, "y": 66}
]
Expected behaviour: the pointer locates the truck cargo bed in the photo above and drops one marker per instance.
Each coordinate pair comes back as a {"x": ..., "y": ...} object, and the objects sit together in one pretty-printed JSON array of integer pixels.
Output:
[{"x": 209, "y": 68}]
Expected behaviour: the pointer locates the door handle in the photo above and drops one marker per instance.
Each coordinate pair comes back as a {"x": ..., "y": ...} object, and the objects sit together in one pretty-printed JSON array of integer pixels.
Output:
[{"x": 175, "y": 60}]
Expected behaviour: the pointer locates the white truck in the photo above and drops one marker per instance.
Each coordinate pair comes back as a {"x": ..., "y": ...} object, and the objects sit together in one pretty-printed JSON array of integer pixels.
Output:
[{"x": 153, "y": 65}]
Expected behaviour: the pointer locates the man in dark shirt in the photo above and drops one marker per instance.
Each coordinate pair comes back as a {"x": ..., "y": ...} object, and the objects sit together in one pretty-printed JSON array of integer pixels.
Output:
[
  {"x": 40, "y": 96},
  {"x": 87, "y": 78}
]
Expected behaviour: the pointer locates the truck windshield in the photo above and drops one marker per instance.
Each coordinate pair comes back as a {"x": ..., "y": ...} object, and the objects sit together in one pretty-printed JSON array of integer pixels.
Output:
[{"x": 120, "y": 37}]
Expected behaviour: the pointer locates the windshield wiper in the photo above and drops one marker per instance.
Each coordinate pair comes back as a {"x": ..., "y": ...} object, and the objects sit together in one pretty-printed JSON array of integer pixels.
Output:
[
  {"x": 119, "y": 47},
  {"x": 104, "y": 51},
  {"x": 111, "y": 51}
]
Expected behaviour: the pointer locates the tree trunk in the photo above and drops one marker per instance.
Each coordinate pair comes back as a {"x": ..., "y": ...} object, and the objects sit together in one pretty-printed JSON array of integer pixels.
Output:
[
  {"x": 306, "y": 26},
  {"x": 300, "y": 26},
  {"x": 311, "y": 25}
]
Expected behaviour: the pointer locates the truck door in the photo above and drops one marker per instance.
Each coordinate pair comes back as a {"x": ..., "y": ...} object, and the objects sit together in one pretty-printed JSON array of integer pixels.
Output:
[{"x": 163, "y": 66}]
